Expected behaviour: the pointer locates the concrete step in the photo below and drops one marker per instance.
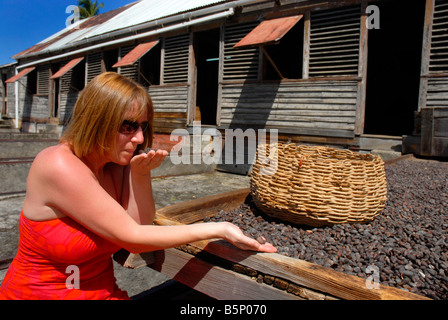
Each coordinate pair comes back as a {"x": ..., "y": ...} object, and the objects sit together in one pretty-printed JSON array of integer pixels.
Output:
[
  {"x": 14, "y": 173},
  {"x": 17, "y": 152},
  {"x": 7, "y": 126},
  {"x": 25, "y": 148}
]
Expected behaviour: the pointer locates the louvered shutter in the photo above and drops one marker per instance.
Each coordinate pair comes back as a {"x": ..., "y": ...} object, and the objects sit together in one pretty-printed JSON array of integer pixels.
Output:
[
  {"x": 93, "y": 65},
  {"x": 66, "y": 80},
  {"x": 334, "y": 42},
  {"x": 438, "y": 62},
  {"x": 239, "y": 64},
  {"x": 175, "y": 64},
  {"x": 129, "y": 71},
  {"x": 43, "y": 78}
]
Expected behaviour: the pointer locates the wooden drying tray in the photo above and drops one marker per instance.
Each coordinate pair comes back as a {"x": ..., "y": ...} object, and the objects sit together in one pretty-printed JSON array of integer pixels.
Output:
[{"x": 225, "y": 272}]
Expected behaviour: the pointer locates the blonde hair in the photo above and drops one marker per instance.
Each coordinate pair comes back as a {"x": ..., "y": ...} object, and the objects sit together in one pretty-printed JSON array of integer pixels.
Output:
[{"x": 100, "y": 110}]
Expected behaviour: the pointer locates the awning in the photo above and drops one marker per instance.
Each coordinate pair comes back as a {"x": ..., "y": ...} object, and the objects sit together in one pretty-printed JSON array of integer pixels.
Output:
[
  {"x": 269, "y": 32},
  {"x": 135, "y": 54},
  {"x": 22, "y": 73},
  {"x": 67, "y": 68}
]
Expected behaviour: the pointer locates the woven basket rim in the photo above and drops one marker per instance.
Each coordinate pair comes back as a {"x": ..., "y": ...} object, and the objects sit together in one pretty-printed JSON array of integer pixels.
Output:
[{"x": 320, "y": 185}]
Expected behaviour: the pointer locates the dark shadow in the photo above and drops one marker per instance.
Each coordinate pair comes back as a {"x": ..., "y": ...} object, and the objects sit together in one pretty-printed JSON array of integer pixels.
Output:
[
  {"x": 393, "y": 72},
  {"x": 206, "y": 44}
]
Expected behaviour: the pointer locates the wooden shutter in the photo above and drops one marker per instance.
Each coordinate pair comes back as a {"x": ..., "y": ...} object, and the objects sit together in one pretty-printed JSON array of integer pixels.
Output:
[
  {"x": 130, "y": 71},
  {"x": 66, "y": 81},
  {"x": 239, "y": 64},
  {"x": 334, "y": 42},
  {"x": 93, "y": 65},
  {"x": 175, "y": 64},
  {"x": 438, "y": 61},
  {"x": 43, "y": 78}
]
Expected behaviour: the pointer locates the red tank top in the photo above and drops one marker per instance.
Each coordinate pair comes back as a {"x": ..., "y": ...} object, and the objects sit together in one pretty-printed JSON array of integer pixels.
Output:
[{"x": 60, "y": 259}]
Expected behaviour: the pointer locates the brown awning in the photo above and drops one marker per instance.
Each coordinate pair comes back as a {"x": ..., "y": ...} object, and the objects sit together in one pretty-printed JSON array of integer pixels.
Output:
[
  {"x": 67, "y": 68},
  {"x": 22, "y": 73},
  {"x": 269, "y": 31},
  {"x": 136, "y": 53}
]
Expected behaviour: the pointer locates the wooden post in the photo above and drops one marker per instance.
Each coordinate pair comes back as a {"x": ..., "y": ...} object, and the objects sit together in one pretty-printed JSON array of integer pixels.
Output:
[{"x": 362, "y": 73}]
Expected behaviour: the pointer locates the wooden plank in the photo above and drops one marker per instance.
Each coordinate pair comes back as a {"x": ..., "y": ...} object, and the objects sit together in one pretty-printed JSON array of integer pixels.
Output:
[
  {"x": 170, "y": 115},
  {"x": 427, "y": 129},
  {"x": 441, "y": 127},
  {"x": 197, "y": 209},
  {"x": 214, "y": 281},
  {"x": 134, "y": 261},
  {"x": 440, "y": 147}
]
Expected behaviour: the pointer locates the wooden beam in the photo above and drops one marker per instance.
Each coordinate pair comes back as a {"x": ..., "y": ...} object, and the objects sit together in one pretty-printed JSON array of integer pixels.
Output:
[
  {"x": 272, "y": 63},
  {"x": 214, "y": 281}
]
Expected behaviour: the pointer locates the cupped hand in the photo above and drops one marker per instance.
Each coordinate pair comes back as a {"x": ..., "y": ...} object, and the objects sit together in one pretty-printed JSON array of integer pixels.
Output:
[
  {"x": 234, "y": 235},
  {"x": 143, "y": 163}
]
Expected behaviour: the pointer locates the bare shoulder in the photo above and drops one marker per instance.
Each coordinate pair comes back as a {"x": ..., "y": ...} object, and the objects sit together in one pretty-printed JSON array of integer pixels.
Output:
[
  {"x": 53, "y": 170},
  {"x": 55, "y": 157}
]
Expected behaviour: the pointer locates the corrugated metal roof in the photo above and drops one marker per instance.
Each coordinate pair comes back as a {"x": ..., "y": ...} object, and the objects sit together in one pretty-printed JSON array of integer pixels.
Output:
[
  {"x": 72, "y": 33},
  {"x": 123, "y": 18},
  {"x": 150, "y": 10}
]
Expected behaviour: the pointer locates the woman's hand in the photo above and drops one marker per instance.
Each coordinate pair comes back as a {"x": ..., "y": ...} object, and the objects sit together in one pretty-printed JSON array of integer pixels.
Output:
[
  {"x": 143, "y": 163},
  {"x": 234, "y": 235}
]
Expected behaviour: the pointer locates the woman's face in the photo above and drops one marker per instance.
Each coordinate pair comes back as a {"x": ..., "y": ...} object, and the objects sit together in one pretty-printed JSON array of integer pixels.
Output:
[{"x": 129, "y": 137}]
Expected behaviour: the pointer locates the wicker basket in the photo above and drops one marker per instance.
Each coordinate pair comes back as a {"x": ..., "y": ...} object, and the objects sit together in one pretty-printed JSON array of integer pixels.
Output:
[{"x": 318, "y": 186}]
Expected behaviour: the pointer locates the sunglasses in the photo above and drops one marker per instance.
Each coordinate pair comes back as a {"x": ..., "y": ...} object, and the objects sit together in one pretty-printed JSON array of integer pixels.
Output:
[{"x": 131, "y": 127}]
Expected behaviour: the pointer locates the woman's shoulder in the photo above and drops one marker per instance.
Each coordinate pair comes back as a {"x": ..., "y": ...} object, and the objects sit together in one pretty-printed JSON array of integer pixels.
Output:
[
  {"x": 61, "y": 151},
  {"x": 56, "y": 159},
  {"x": 53, "y": 170}
]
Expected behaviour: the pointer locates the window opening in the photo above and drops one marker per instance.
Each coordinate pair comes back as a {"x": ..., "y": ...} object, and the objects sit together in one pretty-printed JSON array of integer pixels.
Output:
[
  {"x": 281, "y": 41},
  {"x": 206, "y": 47},
  {"x": 149, "y": 67},
  {"x": 393, "y": 69}
]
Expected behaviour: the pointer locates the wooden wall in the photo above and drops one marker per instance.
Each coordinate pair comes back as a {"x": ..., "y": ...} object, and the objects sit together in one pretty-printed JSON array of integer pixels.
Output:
[
  {"x": 170, "y": 107},
  {"x": 324, "y": 107},
  {"x": 433, "y": 103}
]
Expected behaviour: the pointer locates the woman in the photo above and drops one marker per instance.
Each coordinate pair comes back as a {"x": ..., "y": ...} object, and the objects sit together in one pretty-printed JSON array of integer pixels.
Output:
[{"x": 91, "y": 195}]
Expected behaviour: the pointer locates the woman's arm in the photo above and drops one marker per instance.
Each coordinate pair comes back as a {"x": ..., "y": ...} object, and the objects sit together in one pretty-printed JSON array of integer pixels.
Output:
[
  {"x": 139, "y": 200},
  {"x": 70, "y": 186}
]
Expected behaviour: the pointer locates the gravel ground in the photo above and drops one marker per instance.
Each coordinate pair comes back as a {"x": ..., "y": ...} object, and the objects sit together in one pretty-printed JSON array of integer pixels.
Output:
[{"x": 406, "y": 245}]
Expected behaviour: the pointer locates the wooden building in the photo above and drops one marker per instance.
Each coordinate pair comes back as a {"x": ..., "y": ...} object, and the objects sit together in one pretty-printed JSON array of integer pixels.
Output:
[
  {"x": 6, "y": 72},
  {"x": 340, "y": 73}
]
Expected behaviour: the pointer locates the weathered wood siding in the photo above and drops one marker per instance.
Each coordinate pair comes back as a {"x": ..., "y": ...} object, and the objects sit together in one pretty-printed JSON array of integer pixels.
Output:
[
  {"x": 93, "y": 66},
  {"x": 434, "y": 132},
  {"x": 170, "y": 107},
  {"x": 10, "y": 104},
  {"x": 437, "y": 93},
  {"x": 67, "y": 103},
  {"x": 32, "y": 108},
  {"x": 334, "y": 41},
  {"x": 175, "y": 59},
  {"x": 324, "y": 108},
  {"x": 434, "y": 81},
  {"x": 239, "y": 64},
  {"x": 36, "y": 108}
]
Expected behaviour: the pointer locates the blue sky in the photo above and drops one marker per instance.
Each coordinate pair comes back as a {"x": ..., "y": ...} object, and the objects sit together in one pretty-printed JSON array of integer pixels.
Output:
[{"x": 24, "y": 23}]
